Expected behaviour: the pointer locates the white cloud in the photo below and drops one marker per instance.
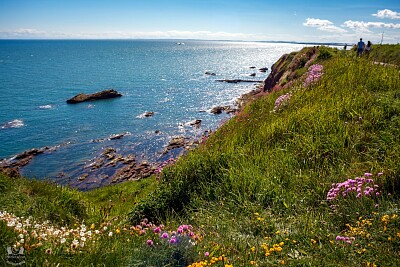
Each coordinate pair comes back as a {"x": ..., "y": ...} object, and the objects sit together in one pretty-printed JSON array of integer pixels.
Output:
[
  {"x": 362, "y": 26},
  {"x": 387, "y": 13},
  {"x": 311, "y": 22},
  {"x": 323, "y": 25}
]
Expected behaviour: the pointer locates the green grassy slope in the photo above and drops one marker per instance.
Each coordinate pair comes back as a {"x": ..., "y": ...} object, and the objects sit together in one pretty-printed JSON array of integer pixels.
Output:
[{"x": 255, "y": 191}]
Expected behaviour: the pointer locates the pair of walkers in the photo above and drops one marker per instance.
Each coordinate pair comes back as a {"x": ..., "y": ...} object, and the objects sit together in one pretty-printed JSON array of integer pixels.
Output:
[{"x": 362, "y": 48}]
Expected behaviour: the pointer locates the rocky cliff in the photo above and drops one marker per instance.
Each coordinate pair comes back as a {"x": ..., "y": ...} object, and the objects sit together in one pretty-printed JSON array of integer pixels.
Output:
[{"x": 290, "y": 67}]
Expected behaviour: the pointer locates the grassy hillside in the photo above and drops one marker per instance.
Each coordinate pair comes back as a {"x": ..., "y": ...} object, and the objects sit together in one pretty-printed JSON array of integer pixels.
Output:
[{"x": 305, "y": 176}]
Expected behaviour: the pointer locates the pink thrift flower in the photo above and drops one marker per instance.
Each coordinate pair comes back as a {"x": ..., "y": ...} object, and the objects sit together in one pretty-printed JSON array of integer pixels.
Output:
[{"x": 164, "y": 235}]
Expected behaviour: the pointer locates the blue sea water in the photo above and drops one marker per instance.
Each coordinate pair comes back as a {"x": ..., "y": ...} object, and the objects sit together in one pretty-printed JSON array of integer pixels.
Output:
[{"x": 162, "y": 76}]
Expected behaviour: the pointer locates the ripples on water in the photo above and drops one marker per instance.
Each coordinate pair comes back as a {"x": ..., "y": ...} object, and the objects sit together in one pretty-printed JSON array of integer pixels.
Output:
[{"x": 158, "y": 76}]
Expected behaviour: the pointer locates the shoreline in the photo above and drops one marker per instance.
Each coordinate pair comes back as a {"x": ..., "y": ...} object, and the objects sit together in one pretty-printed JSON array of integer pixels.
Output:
[{"x": 109, "y": 167}]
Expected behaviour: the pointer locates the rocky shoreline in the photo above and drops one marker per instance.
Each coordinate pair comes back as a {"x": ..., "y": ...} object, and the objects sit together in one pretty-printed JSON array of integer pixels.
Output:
[{"x": 110, "y": 167}]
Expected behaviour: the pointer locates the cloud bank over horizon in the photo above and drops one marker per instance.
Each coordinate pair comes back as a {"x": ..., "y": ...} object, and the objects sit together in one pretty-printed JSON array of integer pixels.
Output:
[{"x": 224, "y": 22}]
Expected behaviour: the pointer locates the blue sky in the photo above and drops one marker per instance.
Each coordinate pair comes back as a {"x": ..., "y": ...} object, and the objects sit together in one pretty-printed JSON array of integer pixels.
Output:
[{"x": 250, "y": 20}]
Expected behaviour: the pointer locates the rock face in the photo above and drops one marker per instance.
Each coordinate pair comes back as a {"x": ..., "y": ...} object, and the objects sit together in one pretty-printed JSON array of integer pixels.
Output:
[
  {"x": 285, "y": 69},
  {"x": 106, "y": 94}
]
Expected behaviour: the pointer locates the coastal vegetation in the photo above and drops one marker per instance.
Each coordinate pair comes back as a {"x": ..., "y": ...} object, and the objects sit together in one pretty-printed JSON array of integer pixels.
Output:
[{"x": 307, "y": 174}]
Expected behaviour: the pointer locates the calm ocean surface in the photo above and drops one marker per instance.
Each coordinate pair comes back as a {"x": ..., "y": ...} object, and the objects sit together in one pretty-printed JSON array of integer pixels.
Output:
[{"x": 37, "y": 77}]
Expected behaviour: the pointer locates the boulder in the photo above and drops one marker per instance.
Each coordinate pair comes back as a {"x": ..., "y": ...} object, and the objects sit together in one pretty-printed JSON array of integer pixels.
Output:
[
  {"x": 210, "y": 73},
  {"x": 195, "y": 123},
  {"x": 106, "y": 94},
  {"x": 217, "y": 110}
]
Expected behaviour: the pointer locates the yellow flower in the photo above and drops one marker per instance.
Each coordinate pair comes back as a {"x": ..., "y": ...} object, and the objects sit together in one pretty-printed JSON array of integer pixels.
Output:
[
  {"x": 398, "y": 235},
  {"x": 228, "y": 265},
  {"x": 117, "y": 231},
  {"x": 282, "y": 262},
  {"x": 294, "y": 241},
  {"x": 313, "y": 241},
  {"x": 252, "y": 263},
  {"x": 278, "y": 232},
  {"x": 253, "y": 249},
  {"x": 256, "y": 214}
]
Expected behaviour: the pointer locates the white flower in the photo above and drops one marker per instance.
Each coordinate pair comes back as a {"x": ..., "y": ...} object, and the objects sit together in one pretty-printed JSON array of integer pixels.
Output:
[
  {"x": 11, "y": 223},
  {"x": 22, "y": 241},
  {"x": 105, "y": 228},
  {"x": 62, "y": 241},
  {"x": 82, "y": 233},
  {"x": 75, "y": 242},
  {"x": 110, "y": 233},
  {"x": 96, "y": 232},
  {"x": 21, "y": 236},
  {"x": 83, "y": 238}
]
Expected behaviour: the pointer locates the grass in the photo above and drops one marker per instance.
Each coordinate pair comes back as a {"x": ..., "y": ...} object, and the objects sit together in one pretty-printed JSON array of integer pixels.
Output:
[{"x": 255, "y": 192}]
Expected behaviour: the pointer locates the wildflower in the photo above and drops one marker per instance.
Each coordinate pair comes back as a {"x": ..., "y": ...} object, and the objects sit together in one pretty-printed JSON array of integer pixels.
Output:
[
  {"x": 117, "y": 231},
  {"x": 92, "y": 226},
  {"x": 164, "y": 235},
  {"x": 63, "y": 240},
  {"x": 150, "y": 243},
  {"x": 281, "y": 101},
  {"x": 252, "y": 263},
  {"x": 253, "y": 249},
  {"x": 207, "y": 254},
  {"x": 110, "y": 234},
  {"x": 173, "y": 240},
  {"x": 282, "y": 262},
  {"x": 314, "y": 74},
  {"x": 157, "y": 230}
]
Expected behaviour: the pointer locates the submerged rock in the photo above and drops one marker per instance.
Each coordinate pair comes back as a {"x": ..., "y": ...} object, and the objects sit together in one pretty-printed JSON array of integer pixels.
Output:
[{"x": 106, "y": 94}]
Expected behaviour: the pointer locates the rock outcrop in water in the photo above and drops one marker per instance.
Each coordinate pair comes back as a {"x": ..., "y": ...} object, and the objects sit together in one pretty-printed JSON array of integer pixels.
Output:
[
  {"x": 106, "y": 94},
  {"x": 12, "y": 166}
]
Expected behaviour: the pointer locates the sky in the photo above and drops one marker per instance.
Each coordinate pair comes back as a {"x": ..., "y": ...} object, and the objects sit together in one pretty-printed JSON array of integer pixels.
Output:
[{"x": 248, "y": 20}]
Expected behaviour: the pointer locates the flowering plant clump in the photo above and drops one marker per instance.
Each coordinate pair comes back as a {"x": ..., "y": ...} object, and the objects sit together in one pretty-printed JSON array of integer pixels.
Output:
[
  {"x": 184, "y": 233},
  {"x": 275, "y": 248},
  {"x": 213, "y": 261},
  {"x": 281, "y": 101},
  {"x": 361, "y": 186},
  {"x": 314, "y": 74},
  {"x": 35, "y": 235}
]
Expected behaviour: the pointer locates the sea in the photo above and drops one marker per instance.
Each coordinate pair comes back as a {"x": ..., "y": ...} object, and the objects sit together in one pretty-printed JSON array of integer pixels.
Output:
[{"x": 167, "y": 77}]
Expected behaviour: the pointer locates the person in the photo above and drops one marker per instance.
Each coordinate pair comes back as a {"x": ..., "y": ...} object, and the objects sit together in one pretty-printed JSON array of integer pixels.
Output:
[
  {"x": 360, "y": 47},
  {"x": 345, "y": 47},
  {"x": 368, "y": 47}
]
